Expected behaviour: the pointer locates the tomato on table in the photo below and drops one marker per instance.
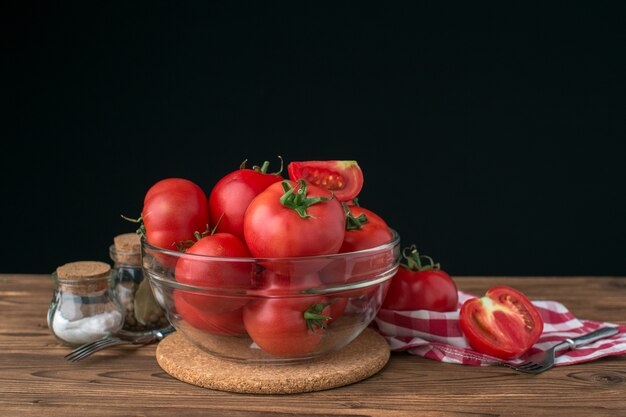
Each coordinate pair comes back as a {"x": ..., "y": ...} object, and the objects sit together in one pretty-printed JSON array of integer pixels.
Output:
[
  {"x": 288, "y": 220},
  {"x": 173, "y": 210},
  {"x": 232, "y": 194},
  {"x": 421, "y": 287},
  {"x": 229, "y": 323},
  {"x": 504, "y": 323},
  {"x": 343, "y": 178},
  {"x": 200, "y": 266}
]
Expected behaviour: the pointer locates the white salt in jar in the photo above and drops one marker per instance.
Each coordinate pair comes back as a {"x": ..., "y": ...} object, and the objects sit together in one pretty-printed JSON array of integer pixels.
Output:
[{"x": 84, "y": 307}]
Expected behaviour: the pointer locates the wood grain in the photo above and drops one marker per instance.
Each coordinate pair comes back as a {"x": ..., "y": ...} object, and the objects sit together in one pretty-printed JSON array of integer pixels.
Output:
[{"x": 35, "y": 380}]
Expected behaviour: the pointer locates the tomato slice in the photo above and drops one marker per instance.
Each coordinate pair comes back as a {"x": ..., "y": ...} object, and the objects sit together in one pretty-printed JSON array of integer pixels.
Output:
[
  {"x": 343, "y": 178},
  {"x": 503, "y": 323}
]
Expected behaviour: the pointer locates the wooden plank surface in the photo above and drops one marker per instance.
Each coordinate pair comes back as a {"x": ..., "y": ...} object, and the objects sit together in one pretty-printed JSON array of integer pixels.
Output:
[{"x": 35, "y": 380}]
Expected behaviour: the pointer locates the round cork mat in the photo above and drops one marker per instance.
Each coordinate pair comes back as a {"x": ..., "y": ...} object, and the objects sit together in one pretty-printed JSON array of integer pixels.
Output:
[{"x": 362, "y": 358}]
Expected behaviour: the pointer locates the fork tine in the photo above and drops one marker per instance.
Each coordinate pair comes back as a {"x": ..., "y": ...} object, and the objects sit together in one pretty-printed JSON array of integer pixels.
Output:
[
  {"x": 528, "y": 367},
  {"x": 79, "y": 350},
  {"x": 86, "y": 350},
  {"x": 86, "y": 347},
  {"x": 532, "y": 367}
]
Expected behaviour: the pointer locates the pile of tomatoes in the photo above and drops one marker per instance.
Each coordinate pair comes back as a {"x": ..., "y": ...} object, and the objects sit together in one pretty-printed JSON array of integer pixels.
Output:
[
  {"x": 251, "y": 213},
  {"x": 304, "y": 215}
]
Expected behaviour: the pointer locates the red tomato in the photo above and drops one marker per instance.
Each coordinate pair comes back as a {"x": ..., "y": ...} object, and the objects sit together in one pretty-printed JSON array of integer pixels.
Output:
[
  {"x": 343, "y": 178},
  {"x": 232, "y": 194},
  {"x": 364, "y": 230},
  {"x": 417, "y": 287},
  {"x": 210, "y": 272},
  {"x": 290, "y": 326},
  {"x": 173, "y": 210},
  {"x": 292, "y": 221},
  {"x": 336, "y": 308},
  {"x": 229, "y": 323},
  {"x": 274, "y": 283},
  {"x": 503, "y": 323}
]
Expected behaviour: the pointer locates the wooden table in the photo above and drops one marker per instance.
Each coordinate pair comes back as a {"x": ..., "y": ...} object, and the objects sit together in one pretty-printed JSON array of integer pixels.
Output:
[{"x": 35, "y": 380}]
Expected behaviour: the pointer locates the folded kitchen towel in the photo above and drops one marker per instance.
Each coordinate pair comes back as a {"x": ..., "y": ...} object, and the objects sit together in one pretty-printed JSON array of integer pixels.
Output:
[{"x": 437, "y": 336}]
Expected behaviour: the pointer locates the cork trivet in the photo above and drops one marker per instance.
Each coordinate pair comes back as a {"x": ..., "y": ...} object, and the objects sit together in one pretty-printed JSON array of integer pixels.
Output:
[
  {"x": 362, "y": 358},
  {"x": 128, "y": 248}
]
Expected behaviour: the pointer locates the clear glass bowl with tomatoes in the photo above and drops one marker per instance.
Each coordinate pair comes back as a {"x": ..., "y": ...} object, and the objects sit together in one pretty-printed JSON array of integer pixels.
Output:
[{"x": 271, "y": 310}]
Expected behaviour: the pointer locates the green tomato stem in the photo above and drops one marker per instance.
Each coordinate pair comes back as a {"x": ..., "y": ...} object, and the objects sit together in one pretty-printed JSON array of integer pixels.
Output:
[
  {"x": 297, "y": 200},
  {"x": 264, "y": 167},
  {"x": 412, "y": 260},
  {"x": 354, "y": 223},
  {"x": 314, "y": 318},
  {"x": 141, "y": 231}
]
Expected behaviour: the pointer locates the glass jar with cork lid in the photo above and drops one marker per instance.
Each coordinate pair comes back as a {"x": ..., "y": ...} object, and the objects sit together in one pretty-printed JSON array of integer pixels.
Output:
[
  {"x": 83, "y": 307},
  {"x": 141, "y": 310}
]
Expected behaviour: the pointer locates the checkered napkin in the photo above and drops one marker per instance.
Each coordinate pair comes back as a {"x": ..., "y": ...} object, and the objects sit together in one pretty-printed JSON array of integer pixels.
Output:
[{"x": 437, "y": 336}]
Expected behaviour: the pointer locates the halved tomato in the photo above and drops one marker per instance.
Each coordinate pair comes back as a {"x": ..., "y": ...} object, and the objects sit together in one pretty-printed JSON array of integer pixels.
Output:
[
  {"x": 343, "y": 178},
  {"x": 503, "y": 323}
]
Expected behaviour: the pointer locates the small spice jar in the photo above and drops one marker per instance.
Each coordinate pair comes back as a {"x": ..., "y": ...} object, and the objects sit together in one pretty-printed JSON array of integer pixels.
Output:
[
  {"x": 142, "y": 312},
  {"x": 84, "y": 307}
]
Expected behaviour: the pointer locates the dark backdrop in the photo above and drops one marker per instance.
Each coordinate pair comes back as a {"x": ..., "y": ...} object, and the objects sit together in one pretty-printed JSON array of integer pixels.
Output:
[{"x": 493, "y": 139}]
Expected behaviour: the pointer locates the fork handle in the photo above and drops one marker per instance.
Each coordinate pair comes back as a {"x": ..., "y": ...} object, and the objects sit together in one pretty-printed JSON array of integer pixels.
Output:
[{"x": 602, "y": 333}]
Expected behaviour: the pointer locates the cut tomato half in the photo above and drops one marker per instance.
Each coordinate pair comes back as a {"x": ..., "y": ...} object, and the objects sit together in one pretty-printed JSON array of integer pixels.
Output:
[
  {"x": 343, "y": 178},
  {"x": 503, "y": 323}
]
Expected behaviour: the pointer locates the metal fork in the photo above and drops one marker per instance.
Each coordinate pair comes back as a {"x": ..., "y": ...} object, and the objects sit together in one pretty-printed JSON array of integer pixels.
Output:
[
  {"x": 121, "y": 338},
  {"x": 543, "y": 361}
]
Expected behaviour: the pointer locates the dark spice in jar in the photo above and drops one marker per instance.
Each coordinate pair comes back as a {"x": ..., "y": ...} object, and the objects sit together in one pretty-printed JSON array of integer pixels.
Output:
[{"x": 142, "y": 311}]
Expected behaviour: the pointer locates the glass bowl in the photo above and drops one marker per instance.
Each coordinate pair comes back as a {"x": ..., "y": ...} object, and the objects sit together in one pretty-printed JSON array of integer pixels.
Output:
[{"x": 270, "y": 310}]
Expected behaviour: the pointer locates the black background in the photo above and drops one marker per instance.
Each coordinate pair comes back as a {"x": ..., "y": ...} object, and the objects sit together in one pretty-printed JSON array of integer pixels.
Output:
[{"x": 494, "y": 139}]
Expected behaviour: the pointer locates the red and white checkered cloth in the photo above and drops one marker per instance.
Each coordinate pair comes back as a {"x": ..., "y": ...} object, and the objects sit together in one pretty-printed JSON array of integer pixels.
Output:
[{"x": 437, "y": 336}]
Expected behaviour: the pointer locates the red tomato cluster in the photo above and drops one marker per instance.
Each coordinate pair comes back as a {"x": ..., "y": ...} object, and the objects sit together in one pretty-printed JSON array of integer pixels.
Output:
[
  {"x": 253, "y": 213},
  {"x": 314, "y": 212}
]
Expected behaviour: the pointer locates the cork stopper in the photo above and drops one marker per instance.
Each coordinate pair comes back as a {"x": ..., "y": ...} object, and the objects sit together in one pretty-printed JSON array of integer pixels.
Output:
[
  {"x": 84, "y": 276},
  {"x": 127, "y": 249}
]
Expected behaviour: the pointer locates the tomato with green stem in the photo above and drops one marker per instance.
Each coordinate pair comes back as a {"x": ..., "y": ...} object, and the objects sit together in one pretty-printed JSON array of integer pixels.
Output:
[
  {"x": 271, "y": 283},
  {"x": 232, "y": 194},
  {"x": 364, "y": 229},
  {"x": 288, "y": 220},
  {"x": 289, "y": 326},
  {"x": 343, "y": 178},
  {"x": 503, "y": 323},
  {"x": 418, "y": 286}
]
